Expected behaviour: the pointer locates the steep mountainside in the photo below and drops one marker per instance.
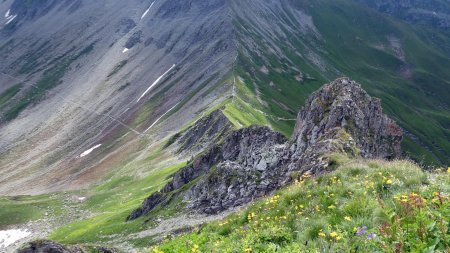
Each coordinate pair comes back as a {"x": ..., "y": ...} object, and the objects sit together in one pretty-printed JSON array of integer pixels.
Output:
[
  {"x": 195, "y": 104},
  {"x": 81, "y": 74},
  {"x": 89, "y": 86},
  {"x": 435, "y": 13},
  {"x": 310, "y": 43}
]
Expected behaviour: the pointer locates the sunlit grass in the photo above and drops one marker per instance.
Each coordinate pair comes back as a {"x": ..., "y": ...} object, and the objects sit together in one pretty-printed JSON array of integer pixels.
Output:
[{"x": 348, "y": 209}]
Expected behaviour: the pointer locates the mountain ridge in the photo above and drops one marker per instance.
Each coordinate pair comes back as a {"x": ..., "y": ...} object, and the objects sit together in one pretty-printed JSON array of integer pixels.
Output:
[
  {"x": 105, "y": 103},
  {"x": 262, "y": 64},
  {"x": 253, "y": 162}
]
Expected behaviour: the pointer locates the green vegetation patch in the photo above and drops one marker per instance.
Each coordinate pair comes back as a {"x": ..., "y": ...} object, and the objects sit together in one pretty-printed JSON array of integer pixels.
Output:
[
  {"x": 22, "y": 209},
  {"x": 111, "y": 203},
  {"x": 9, "y": 93},
  {"x": 371, "y": 206},
  {"x": 49, "y": 80},
  {"x": 117, "y": 68}
]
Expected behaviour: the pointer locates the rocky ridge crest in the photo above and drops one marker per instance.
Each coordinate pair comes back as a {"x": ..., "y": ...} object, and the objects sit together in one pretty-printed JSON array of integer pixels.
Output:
[{"x": 252, "y": 162}]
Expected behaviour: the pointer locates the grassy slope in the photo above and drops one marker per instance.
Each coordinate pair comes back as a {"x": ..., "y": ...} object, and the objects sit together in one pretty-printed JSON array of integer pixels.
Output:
[
  {"x": 107, "y": 204},
  {"x": 19, "y": 210},
  {"x": 414, "y": 103},
  {"x": 110, "y": 203},
  {"x": 322, "y": 214},
  {"x": 9, "y": 94},
  {"x": 350, "y": 34}
]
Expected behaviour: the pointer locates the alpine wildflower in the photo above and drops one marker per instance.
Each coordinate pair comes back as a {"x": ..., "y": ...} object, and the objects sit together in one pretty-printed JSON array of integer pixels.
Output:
[
  {"x": 361, "y": 231},
  {"x": 371, "y": 236},
  {"x": 322, "y": 234}
]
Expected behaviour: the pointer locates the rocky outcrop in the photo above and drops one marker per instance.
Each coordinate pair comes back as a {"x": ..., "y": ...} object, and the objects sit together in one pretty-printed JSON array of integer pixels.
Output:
[
  {"x": 247, "y": 169},
  {"x": 206, "y": 131},
  {"x": 253, "y": 147},
  {"x": 252, "y": 162},
  {"x": 343, "y": 106},
  {"x": 45, "y": 246}
]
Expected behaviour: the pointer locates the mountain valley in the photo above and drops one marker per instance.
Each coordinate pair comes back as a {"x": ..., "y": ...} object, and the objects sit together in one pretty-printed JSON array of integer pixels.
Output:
[{"x": 173, "y": 125}]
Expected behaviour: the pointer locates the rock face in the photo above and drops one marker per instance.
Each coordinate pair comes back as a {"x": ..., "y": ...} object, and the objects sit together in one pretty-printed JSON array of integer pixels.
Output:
[
  {"x": 252, "y": 162},
  {"x": 250, "y": 147},
  {"x": 344, "y": 105},
  {"x": 246, "y": 169},
  {"x": 45, "y": 246},
  {"x": 207, "y": 130}
]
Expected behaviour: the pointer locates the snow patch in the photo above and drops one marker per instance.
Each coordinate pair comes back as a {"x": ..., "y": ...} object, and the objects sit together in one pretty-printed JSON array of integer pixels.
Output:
[
  {"x": 155, "y": 82},
  {"x": 8, "y": 237},
  {"x": 146, "y": 12},
  {"x": 125, "y": 50},
  {"x": 87, "y": 152},
  {"x": 9, "y": 17},
  {"x": 156, "y": 121}
]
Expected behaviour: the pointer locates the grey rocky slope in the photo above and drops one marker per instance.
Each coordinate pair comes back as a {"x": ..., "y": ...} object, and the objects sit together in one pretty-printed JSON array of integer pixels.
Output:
[
  {"x": 252, "y": 162},
  {"x": 75, "y": 75},
  {"x": 72, "y": 53}
]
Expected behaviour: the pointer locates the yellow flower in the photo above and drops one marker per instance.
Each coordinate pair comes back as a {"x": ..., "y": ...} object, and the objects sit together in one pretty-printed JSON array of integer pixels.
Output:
[
  {"x": 332, "y": 207},
  {"x": 322, "y": 234},
  {"x": 338, "y": 238},
  {"x": 347, "y": 218},
  {"x": 247, "y": 250},
  {"x": 388, "y": 182},
  {"x": 251, "y": 216},
  {"x": 156, "y": 250},
  {"x": 448, "y": 169},
  {"x": 334, "y": 234}
]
